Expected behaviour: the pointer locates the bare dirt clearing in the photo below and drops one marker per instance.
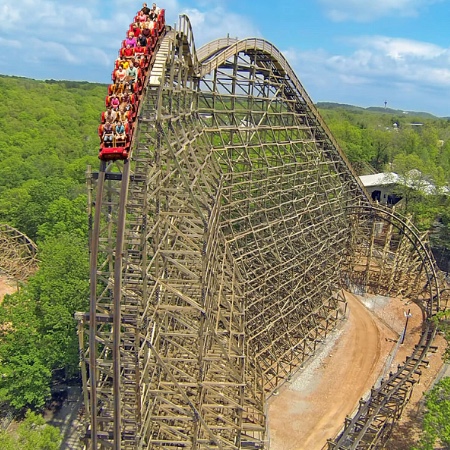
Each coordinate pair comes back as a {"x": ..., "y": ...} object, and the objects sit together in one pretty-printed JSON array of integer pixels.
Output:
[
  {"x": 312, "y": 407},
  {"x": 7, "y": 286}
]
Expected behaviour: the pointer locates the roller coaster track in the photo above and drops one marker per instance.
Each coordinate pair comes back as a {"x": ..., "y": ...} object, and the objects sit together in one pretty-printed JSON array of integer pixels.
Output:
[
  {"x": 372, "y": 423},
  {"x": 218, "y": 251},
  {"x": 18, "y": 253}
]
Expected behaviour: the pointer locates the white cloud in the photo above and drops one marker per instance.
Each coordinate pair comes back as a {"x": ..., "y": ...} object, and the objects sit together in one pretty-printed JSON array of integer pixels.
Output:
[
  {"x": 391, "y": 59},
  {"x": 398, "y": 48},
  {"x": 62, "y": 39},
  {"x": 215, "y": 22},
  {"x": 79, "y": 39},
  {"x": 408, "y": 70},
  {"x": 395, "y": 59},
  {"x": 8, "y": 43},
  {"x": 369, "y": 10}
]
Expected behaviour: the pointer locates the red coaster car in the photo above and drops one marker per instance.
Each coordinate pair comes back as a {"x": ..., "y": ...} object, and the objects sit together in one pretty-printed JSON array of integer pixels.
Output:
[{"x": 113, "y": 153}]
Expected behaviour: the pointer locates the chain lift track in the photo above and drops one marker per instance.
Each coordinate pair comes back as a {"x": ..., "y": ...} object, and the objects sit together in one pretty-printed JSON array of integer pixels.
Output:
[{"x": 218, "y": 250}]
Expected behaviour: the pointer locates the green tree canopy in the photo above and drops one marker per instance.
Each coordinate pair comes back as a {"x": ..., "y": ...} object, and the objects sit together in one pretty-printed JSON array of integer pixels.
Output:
[
  {"x": 436, "y": 423},
  {"x": 32, "y": 434}
]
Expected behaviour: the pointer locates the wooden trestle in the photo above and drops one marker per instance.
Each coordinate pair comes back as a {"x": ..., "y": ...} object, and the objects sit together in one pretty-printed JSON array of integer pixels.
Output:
[
  {"x": 391, "y": 258},
  {"x": 218, "y": 250},
  {"x": 18, "y": 253}
]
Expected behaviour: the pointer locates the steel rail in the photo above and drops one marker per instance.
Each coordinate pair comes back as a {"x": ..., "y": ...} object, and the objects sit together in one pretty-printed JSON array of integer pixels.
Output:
[{"x": 93, "y": 308}]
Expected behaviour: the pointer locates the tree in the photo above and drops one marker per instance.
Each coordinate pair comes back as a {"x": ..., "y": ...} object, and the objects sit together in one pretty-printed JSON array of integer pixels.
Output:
[
  {"x": 444, "y": 160},
  {"x": 436, "y": 423},
  {"x": 350, "y": 138},
  {"x": 41, "y": 195},
  {"x": 35, "y": 434},
  {"x": 39, "y": 330},
  {"x": 380, "y": 141},
  {"x": 59, "y": 289},
  {"x": 25, "y": 381},
  {"x": 417, "y": 190},
  {"x": 407, "y": 141},
  {"x": 65, "y": 216},
  {"x": 32, "y": 434},
  {"x": 7, "y": 441}
]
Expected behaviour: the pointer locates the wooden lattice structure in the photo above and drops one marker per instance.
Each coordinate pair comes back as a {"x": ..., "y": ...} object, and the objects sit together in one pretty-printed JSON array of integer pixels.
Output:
[
  {"x": 392, "y": 258},
  {"x": 18, "y": 253},
  {"x": 217, "y": 252}
]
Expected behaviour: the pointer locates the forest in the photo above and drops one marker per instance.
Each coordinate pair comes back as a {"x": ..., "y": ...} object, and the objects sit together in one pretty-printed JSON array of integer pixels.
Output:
[
  {"x": 395, "y": 141},
  {"x": 48, "y": 137}
]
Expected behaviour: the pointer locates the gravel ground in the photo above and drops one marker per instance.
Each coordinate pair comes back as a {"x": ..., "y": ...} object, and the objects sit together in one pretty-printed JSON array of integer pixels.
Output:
[{"x": 312, "y": 407}]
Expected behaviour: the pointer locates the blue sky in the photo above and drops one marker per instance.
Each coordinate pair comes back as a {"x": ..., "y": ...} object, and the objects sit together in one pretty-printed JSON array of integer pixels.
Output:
[{"x": 359, "y": 52}]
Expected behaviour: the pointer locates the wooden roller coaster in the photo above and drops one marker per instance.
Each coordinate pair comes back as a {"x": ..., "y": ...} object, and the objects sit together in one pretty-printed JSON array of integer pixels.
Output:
[
  {"x": 18, "y": 253},
  {"x": 391, "y": 258},
  {"x": 218, "y": 248}
]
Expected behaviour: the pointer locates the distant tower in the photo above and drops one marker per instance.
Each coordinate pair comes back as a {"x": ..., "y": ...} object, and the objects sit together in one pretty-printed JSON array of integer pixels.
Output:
[{"x": 385, "y": 103}]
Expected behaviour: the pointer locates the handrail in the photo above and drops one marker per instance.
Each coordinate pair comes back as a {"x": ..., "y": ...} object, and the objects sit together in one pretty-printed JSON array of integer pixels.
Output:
[{"x": 214, "y": 47}]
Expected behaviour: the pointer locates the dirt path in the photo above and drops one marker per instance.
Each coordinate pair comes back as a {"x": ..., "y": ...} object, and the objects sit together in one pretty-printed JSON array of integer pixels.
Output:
[
  {"x": 312, "y": 408},
  {"x": 6, "y": 287}
]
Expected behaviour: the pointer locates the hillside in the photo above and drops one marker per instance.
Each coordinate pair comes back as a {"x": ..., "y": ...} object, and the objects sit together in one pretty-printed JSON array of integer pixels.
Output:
[
  {"x": 48, "y": 136},
  {"x": 377, "y": 109}
]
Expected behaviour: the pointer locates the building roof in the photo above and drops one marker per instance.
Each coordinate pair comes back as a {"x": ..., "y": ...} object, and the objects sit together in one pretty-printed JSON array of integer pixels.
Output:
[
  {"x": 414, "y": 181},
  {"x": 379, "y": 179}
]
